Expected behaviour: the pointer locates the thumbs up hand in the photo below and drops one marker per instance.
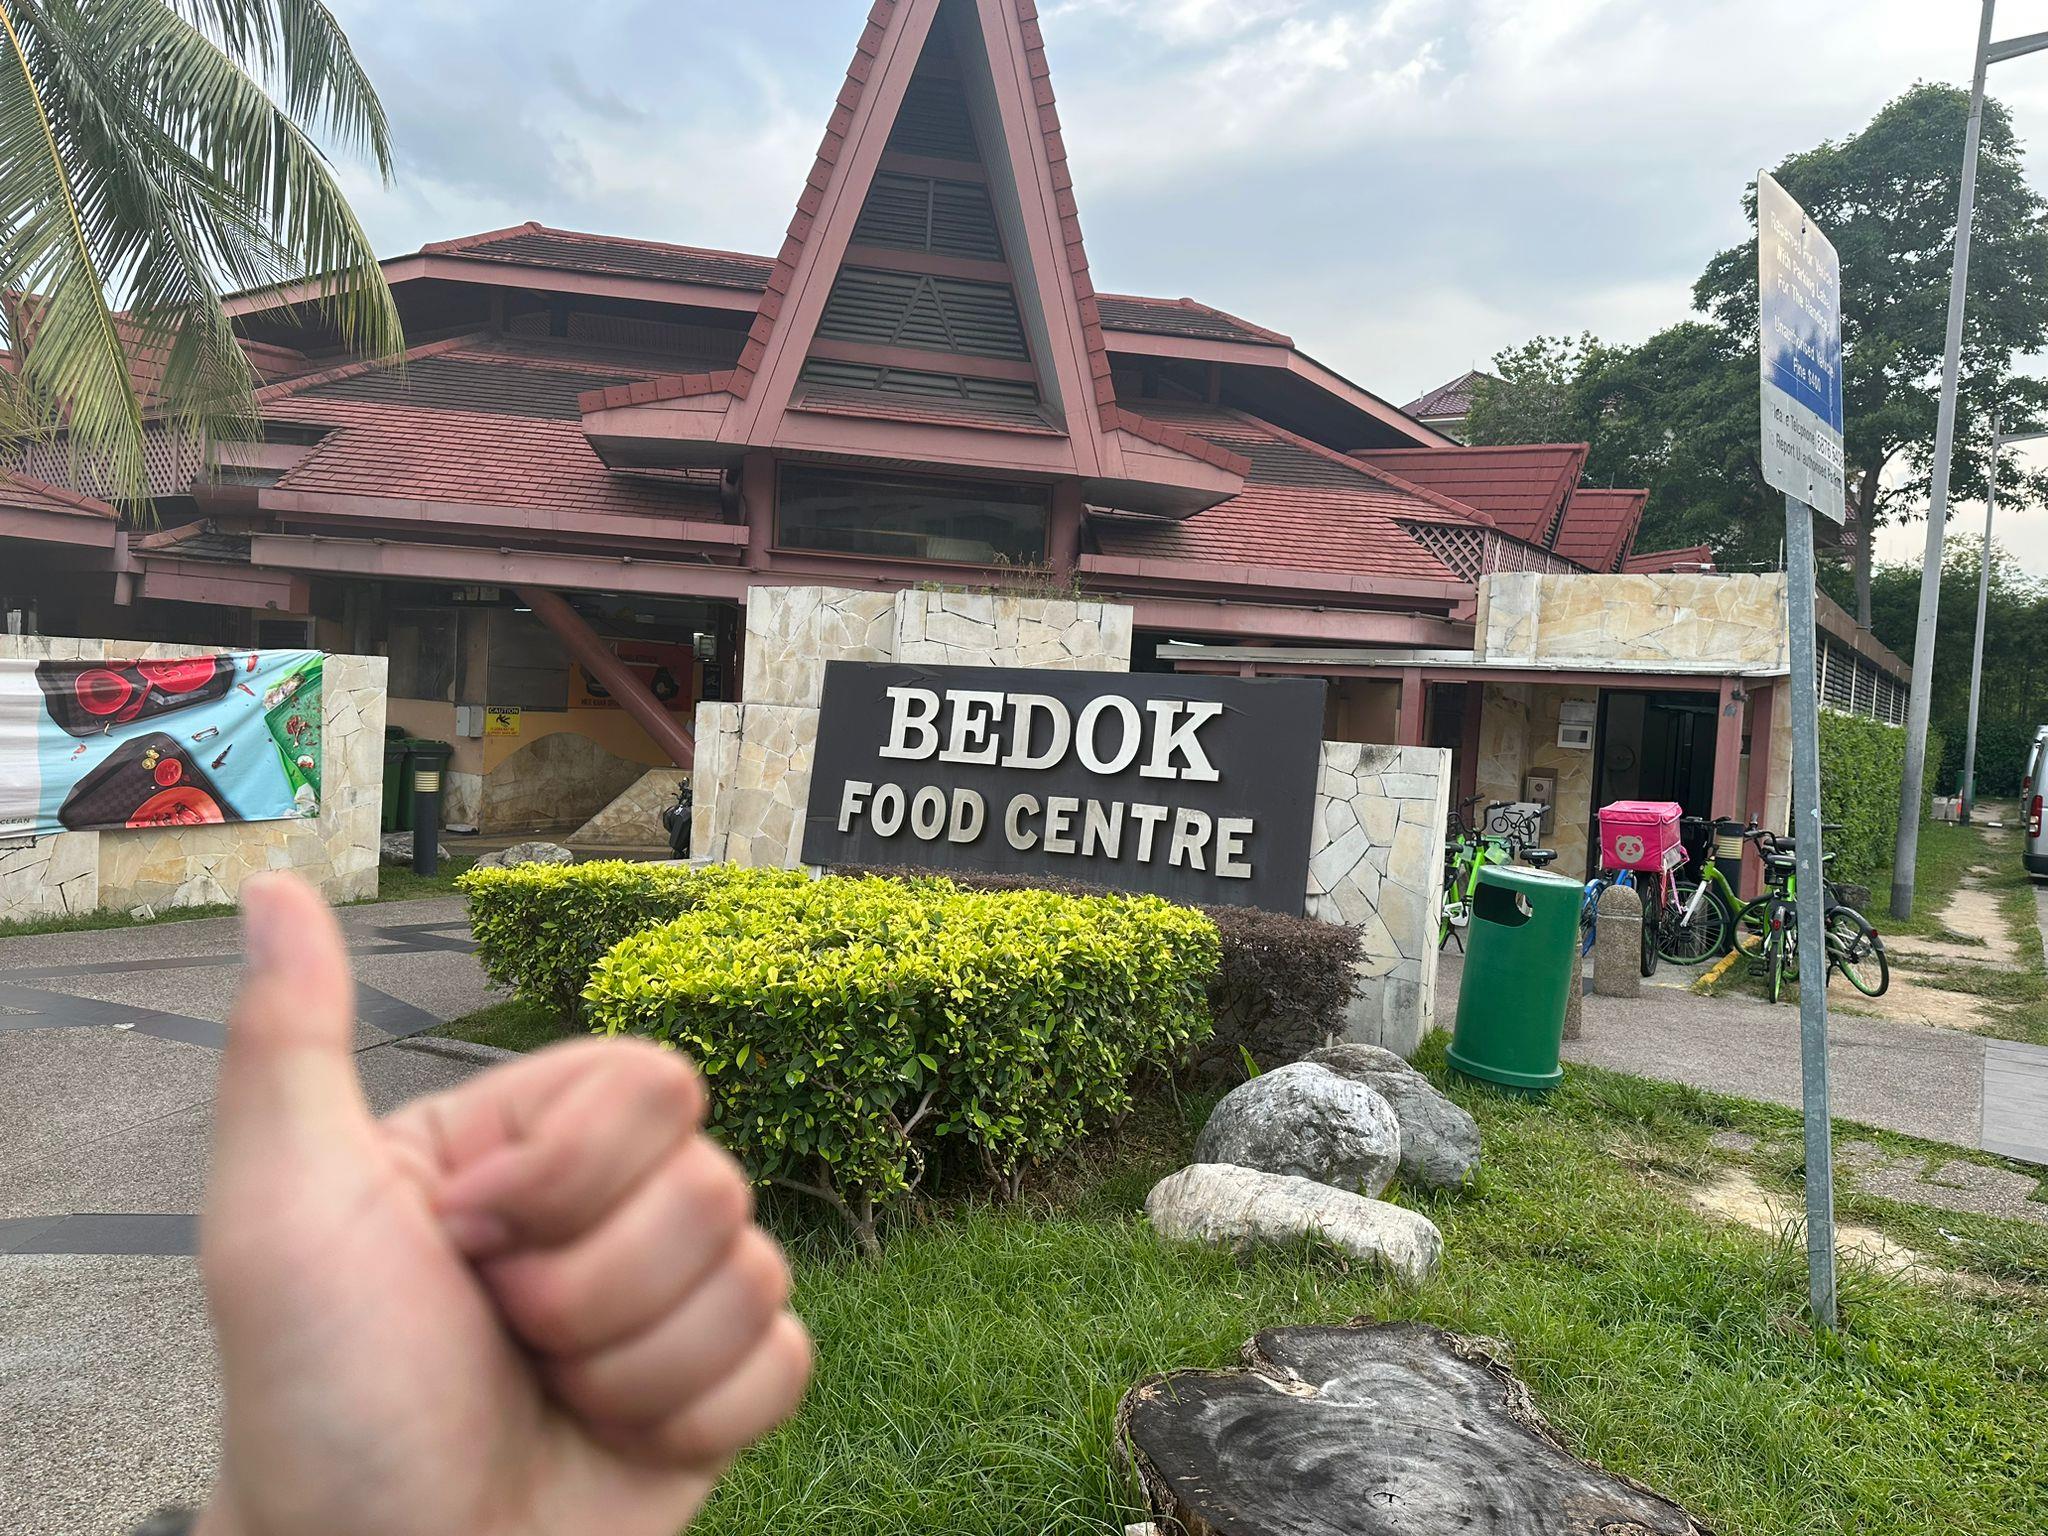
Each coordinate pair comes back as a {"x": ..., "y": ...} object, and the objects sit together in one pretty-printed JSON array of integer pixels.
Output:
[{"x": 536, "y": 1303}]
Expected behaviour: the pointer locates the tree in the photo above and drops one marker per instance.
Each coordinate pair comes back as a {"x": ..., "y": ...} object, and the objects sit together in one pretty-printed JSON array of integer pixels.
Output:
[
  {"x": 2015, "y": 691},
  {"x": 1532, "y": 395},
  {"x": 1887, "y": 197},
  {"x": 157, "y": 155},
  {"x": 1677, "y": 414}
]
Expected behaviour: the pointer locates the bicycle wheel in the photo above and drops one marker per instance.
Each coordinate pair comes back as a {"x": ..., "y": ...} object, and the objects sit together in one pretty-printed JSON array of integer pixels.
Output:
[
  {"x": 1751, "y": 929},
  {"x": 1653, "y": 915},
  {"x": 1776, "y": 947},
  {"x": 1698, "y": 939},
  {"x": 1857, "y": 952}
]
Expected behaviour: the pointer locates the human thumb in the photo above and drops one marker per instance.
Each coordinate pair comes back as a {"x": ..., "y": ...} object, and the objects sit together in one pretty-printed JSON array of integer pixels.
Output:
[{"x": 288, "y": 1083}]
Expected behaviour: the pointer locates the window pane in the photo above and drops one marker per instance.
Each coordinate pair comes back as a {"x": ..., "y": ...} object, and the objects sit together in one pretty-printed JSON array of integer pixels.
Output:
[{"x": 967, "y": 523}]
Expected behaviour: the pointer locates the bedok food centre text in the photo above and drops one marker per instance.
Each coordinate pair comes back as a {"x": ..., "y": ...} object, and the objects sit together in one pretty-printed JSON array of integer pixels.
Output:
[{"x": 1195, "y": 788}]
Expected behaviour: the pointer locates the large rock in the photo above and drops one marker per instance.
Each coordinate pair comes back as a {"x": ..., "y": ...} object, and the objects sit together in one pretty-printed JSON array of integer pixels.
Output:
[
  {"x": 1439, "y": 1141},
  {"x": 526, "y": 853},
  {"x": 395, "y": 849},
  {"x": 1221, "y": 1204},
  {"x": 1304, "y": 1120}
]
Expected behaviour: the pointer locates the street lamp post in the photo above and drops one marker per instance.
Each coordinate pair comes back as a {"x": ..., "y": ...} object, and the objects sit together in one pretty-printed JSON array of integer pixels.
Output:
[
  {"x": 1912, "y": 782},
  {"x": 1998, "y": 443}
]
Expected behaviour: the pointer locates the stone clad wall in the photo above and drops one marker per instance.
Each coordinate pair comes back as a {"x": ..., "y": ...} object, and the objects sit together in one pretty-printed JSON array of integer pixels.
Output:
[
  {"x": 1517, "y": 736},
  {"x": 75, "y": 872},
  {"x": 1377, "y": 855},
  {"x": 1529, "y": 616},
  {"x": 1376, "y": 861}
]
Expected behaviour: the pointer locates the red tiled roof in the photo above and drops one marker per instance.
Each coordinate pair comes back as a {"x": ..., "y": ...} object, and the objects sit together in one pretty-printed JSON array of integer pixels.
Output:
[
  {"x": 1697, "y": 557},
  {"x": 535, "y": 245},
  {"x": 570, "y": 250},
  {"x": 1452, "y": 399},
  {"x": 483, "y": 420},
  {"x": 1181, "y": 317},
  {"x": 1599, "y": 526},
  {"x": 1521, "y": 488},
  {"x": 1303, "y": 506},
  {"x": 29, "y": 494}
]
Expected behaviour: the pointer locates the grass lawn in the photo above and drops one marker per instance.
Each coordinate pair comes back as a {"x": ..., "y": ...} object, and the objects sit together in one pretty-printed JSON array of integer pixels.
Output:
[
  {"x": 392, "y": 885},
  {"x": 969, "y": 1378}
]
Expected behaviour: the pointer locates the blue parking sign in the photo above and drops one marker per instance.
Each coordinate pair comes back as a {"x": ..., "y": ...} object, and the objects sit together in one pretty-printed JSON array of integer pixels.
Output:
[{"x": 1799, "y": 313}]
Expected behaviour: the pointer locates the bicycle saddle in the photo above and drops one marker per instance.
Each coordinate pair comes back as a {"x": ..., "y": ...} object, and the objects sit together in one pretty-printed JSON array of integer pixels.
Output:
[{"x": 1541, "y": 858}]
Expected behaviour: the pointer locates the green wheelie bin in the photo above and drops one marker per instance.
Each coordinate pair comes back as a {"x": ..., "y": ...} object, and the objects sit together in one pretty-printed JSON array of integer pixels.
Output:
[{"x": 1521, "y": 960}]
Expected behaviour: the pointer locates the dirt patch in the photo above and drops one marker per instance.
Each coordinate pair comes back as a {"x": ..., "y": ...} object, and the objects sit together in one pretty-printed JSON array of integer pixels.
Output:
[
  {"x": 1908, "y": 1001},
  {"x": 1976, "y": 912},
  {"x": 1736, "y": 1196}
]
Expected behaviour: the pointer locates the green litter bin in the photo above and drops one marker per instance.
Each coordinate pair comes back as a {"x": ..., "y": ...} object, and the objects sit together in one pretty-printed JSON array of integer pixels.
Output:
[
  {"x": 394, "y": 778},
  {"x": 1521, "y": 958},
  {"x": 420, "y": 752}
]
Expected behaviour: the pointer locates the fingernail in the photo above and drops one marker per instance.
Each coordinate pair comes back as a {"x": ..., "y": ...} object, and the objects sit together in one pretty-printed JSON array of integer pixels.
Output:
[
  {"x": 263, "y": 938},
  {"x": 476, "y": 1234}
]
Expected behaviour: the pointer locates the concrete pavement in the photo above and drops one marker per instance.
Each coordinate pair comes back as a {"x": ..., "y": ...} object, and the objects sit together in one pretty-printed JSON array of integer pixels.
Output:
[{"x": 109, "y": 1042}]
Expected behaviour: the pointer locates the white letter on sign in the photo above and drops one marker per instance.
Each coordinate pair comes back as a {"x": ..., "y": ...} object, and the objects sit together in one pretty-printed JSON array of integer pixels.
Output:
[
  {"x": 1171, "y": 738},
  {"x": 851, "y": 799},
  {"x": 1086, "y": 730},
  {"x": 1024, "y": 706},
  {"x": 973, "y": 737},
  {"x": 915, "y": 710}
]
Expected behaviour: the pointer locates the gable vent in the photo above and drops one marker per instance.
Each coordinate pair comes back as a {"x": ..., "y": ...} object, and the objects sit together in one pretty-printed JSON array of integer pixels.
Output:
[
  {"x": 919, "y": 213},
  {"x": 826, "y": 374},
  {"x": 934, "y": 121},
  {"x": 941, "y": 314}
]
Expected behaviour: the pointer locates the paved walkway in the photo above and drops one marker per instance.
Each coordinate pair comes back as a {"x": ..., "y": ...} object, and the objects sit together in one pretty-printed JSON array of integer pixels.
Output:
[
  {"x": 1943, "y": 1085},
  {"x": 108, "y": 1048}
]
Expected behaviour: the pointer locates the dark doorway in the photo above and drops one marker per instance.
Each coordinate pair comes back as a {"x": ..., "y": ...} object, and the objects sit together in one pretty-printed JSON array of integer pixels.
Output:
[{"x": 1655, "y": 746}]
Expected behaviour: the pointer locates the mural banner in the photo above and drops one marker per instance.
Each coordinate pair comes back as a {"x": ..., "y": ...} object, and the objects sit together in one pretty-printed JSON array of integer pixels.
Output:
[{"x": 100, "y": 745}]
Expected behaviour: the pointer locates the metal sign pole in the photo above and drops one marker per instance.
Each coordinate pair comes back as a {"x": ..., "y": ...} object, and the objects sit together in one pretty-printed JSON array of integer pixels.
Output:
[{"x": 1812, "y": 903}]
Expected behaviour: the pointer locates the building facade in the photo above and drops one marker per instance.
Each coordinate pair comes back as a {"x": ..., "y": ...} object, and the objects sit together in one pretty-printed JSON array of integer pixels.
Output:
[{"x": 551, "y": 514}]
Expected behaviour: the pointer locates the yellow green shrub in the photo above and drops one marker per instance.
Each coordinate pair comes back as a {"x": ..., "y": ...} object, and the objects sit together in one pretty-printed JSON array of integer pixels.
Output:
[
  {"x": 849, "y": 1028},
  {"x": 541, "y": 928}
]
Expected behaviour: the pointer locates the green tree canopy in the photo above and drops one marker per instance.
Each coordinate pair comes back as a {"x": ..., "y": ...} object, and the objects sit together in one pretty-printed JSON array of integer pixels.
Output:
[
  {"x": 1679, "y": 413},
  {"x": 156, "y": 155}
]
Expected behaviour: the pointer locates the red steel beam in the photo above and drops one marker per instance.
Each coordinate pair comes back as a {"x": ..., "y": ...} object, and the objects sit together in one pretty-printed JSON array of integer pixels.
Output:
[{"x": 600, "y": 662}]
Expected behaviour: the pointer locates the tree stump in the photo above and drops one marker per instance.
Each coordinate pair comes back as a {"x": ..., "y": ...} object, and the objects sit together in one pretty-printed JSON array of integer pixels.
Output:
[{"x": 1372, "y": 1429}]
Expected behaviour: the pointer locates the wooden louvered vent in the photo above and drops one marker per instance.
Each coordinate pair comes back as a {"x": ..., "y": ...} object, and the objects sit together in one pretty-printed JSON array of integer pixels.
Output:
[
  {"x": 911, "y": 309},
  {"x": 924, "y": 213},
  {"x": 934, "y": 121}
]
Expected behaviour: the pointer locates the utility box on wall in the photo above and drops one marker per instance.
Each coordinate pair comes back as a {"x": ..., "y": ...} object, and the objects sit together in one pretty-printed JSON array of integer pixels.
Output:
[{"x": 1576, "y": 722}]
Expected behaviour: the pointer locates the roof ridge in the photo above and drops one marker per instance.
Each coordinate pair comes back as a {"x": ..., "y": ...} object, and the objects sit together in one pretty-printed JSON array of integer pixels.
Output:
[
  {"x": 1119, "y": 418},
  {"x": 1479, "y": 448},
  {"x": 57, "y": 493},
  {"x": 465, "y": 242}
]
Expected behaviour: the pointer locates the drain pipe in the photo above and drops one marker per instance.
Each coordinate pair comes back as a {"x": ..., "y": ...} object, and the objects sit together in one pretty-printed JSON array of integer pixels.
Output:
[{"x": 597, "y": 659}]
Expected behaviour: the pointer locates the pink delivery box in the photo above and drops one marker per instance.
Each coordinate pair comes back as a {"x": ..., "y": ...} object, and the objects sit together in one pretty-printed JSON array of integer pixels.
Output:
[{"x": 1641, "y": 834}]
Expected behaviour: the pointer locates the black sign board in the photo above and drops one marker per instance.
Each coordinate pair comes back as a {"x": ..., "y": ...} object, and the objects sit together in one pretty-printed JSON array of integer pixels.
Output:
[{"x": 1200, "y": 789}]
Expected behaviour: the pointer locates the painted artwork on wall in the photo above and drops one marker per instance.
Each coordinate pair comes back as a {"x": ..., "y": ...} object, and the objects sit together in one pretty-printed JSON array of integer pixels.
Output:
[{"x": 103, "y": 745}]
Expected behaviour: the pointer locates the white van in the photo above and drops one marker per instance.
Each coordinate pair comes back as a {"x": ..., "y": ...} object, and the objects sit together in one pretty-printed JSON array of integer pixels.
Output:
[{"x": 2034, "y": 851}]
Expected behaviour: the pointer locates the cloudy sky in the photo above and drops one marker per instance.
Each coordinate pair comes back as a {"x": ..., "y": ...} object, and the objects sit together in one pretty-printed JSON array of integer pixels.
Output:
[{"x": 1405, "y": 186}]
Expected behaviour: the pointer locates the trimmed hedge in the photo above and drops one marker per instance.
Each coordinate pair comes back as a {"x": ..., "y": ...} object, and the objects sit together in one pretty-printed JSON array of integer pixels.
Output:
[
  {"x": 541, "y": 928},
  {"x": 1861, "y": 764},
  {"x": 850, "y": 1028},
  {"x": 1282, "y": 984}
]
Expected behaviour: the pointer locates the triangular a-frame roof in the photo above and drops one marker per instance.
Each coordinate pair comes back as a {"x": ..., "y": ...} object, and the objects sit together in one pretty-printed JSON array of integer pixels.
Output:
[
  {"x": 932, "y": 297},
  {"x": 1522, "y": 488},
  {"x": 1599, "y": 526}
]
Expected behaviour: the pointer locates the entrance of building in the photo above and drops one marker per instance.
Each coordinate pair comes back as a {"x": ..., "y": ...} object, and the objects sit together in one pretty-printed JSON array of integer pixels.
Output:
[{"x": 1654, "y": 746}]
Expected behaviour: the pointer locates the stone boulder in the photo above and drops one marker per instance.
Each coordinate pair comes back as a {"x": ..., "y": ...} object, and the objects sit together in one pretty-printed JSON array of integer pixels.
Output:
[
  {"x": 526, "y": 853},
  {"x": 396, "y": 849},
  {"x": 1439, "y": 1141},
  {"x": 1224, "y": 1205},
  {"x": 1305, "y": 1121}
]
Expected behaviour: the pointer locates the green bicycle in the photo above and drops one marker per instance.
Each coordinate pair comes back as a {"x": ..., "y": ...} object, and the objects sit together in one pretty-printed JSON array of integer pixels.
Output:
[{"x": 1504, "y": 836}]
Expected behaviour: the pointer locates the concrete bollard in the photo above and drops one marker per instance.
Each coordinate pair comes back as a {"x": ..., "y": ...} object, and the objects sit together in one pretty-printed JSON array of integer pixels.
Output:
[
  {"x": 1575, "y": 1002},
  {"x": 1618, "y": 943}
]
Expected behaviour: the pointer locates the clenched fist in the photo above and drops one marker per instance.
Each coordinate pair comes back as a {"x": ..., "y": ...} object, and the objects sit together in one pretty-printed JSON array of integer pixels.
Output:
[{"x": 534, "y": 1305}]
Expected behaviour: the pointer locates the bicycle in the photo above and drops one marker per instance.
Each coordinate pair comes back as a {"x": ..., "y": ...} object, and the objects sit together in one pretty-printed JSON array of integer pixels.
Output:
[
  {"x": 1853, "y": 946},
  {"x": 1589, "y": 915},
  {"x": 1503, "y": 836}
]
